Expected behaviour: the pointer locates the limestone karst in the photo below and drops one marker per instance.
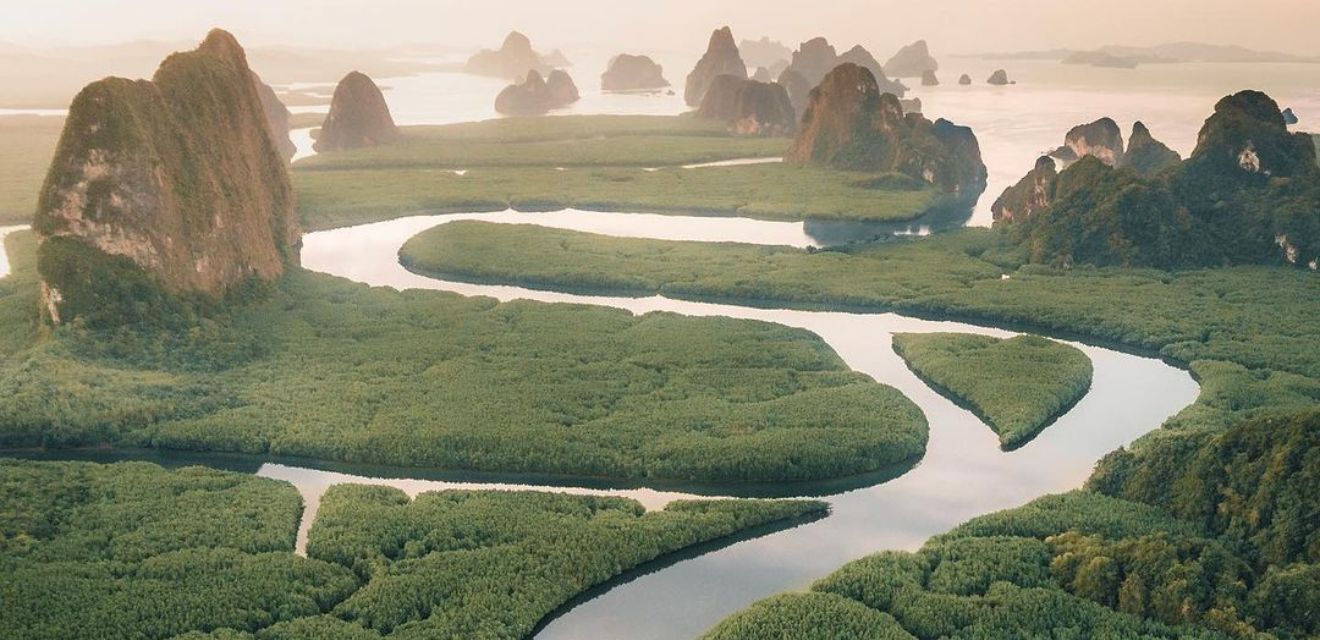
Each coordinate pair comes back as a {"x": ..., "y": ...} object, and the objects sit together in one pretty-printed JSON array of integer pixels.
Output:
[
  {"x": 1101, "y": 139},
  {"x": 999, "y": 78},
  {"x": 1248, "y": 194},
  {"x": 911, "y": 61},
  {"x": 748, "y": 106},
  {"x": 513, "y": 59},
  {"x": 721, "y": 58},
  {"x": 964, "y": 80},
  {"x": 850, "y": 124},
  {"x": 163, "y": 193},
  {"x": 764, "y": 52},
  {"x": 929, "y": 79},
  {"x": 628, "y": 72},
  {"x": 277, "y": 117},
  {"x": 536, "y": 95},
  {"x": 1146, "y": 155},
  {"x": 359, "y": 116},
  {"x": 762, "y": 74}
]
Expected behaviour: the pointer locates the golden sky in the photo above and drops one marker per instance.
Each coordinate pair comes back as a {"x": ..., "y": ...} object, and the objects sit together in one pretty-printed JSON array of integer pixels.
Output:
[{"x": 952, "y": 26}]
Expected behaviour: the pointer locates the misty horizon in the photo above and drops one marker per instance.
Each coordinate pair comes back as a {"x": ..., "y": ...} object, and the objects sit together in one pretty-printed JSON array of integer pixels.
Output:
[{"x": 952, "y": 27}]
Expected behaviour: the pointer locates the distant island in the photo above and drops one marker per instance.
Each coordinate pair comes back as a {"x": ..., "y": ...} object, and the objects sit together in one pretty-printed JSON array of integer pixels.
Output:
[{"x": 1129, "y": 56}]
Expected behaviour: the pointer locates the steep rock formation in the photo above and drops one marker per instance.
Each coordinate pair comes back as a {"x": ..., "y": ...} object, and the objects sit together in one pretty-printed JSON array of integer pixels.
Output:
[
  {"x": 513, "y": 59},
  {"x": 633, "y": 73},
  {"x": 163, "y": 192},
  {"x": 750, "y": 107},
  {"x": 1146, "y": 155},
  {"x": 851, "y": 124},
  {"x": 799, "y": 90},
  {"x": 556, "y": 59},
  {"x": 358, "y": 116},
  {"x": 762, "y": 74},
  {"x": 964, "y": 80},
  {"x": 1031, "y": 194},
  {"x": 1101, "y": 139},
  {"x": 535, "y": 95},
  {"x": 1250, "y": 193},
  {"x": 817, "y": 57},
  {"x": 912, "y": 61},
  {"x": 929, "y": 79},
  {"x": 1290, "y": 118},
  {"x": 999, "y": 78},
  {"x": 277, "y": 118},
  {"x": 910, "y": 105},
  {"x": 721, "y": 58},
  {"x": 764, "y": 52}
]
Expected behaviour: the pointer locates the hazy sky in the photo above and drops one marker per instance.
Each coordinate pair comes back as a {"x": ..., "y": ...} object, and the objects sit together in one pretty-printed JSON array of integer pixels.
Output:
[{"x": 952, "y": 26}]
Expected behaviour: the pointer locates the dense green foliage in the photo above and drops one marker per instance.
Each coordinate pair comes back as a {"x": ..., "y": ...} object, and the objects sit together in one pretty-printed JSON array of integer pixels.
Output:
[
  {"x": 1017, "y": 385},
  {"x": 809, "y": 616},
  {"x": 339, "y": 371},
  {"x": 1255, "y": 316},
  {"x": 28, "y": 143},
  {"x": 1249, "y": 194},
  {"x": 134, "y": 550},
  {"x": 460, "y": 564},
  {"x": 622, "y": 163}
]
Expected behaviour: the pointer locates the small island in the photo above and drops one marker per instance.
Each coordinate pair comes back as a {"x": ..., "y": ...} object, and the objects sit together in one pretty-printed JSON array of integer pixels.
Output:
[{"x": 1018, "y": 386}]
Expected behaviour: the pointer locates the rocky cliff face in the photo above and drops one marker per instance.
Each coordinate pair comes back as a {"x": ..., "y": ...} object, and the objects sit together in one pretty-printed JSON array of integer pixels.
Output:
[
  {"x": 912, "y": 61},
  {"x": 816, "y": 57},
  {"x": 851, "y": 124},
  {"x": 929, "y": 79},
  {"x": 750, "y": 107},
  {"x": 512, "y": 60},
  {"x": 1250, "y": 193},
  {"x": 721, "y": 58},
  {"x": 358, "y": 116},
  {"x": 633, "y": 73},
  {"x": 999, "y": 78},
  {"x": 536, "y": 95},
  {"x": 1030, "y": 195},
  {"x": 1146, "y": 155},
  {"x": 1101, "y": 139},
  {"x": 164, "y": 190},
  {"x": 277, "y": 118},
  {"x": 799, "y": 90}
]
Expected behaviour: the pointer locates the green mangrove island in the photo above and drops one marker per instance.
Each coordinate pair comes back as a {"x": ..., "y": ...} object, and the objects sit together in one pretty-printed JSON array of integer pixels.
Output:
[{"x": 1017, "y": 385}]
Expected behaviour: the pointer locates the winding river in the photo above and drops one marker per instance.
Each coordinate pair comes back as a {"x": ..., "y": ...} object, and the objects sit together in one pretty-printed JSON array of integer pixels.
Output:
[{"x": 964, "y": 472}]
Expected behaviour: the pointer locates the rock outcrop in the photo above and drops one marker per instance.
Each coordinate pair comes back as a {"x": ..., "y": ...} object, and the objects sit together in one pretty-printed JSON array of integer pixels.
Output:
[
  {"x": 762, "y": 74},
  {"x": 1146, "y": 155},
  {"x": 749, "y": 107},
  {"x": 358, "y": 116},
  {"x": 1030, "y": 195},
  {"x": 536, "y": 95},
  {"x": 512, "y": 60},
  {"x": 799, "y": 90},
  {"x": 556, "y": 59},
  {"x": 1101, "y": 139},
  {"x": 965, "y": 79},
  {"x": 277, "y": 118},
  {"x": 851, "y": 124},
  {"x": 912, "y": 61},
  {"x": 1290, "y": 118},
  {"x": 1249, "y": 193},
  {"x": 721, "y": 58},
  {"x": 633, "y": 73},
  {"x": 817, "y": 57},
  {"x": 764, "y": 52},
  {"x": 999, "y": 78},
  {"x": 929, "y": 79},
  {"x": 164, "y": 193}
]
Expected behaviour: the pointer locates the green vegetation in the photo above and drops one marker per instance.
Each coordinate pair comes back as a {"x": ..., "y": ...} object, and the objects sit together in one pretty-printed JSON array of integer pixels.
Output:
[
  {"x": 623, "y": 163},
  {"x": 28, "y": 143},
  {"x": 337, "y": 371},
  {"x": 460, "y": 564},
  {"x": 133, "y": 550},
  {"x": 1256, "y": 316},
  {"x": 1018, "y": 386}
]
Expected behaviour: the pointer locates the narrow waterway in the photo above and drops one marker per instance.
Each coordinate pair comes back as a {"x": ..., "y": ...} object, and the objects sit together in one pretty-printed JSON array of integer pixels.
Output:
[{"x": 963, "y": 474}]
